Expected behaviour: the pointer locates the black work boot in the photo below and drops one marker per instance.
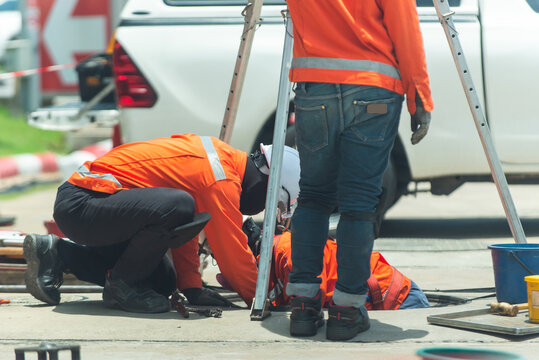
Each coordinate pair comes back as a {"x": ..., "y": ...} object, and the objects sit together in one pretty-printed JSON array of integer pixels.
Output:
[
  {"x": 307, "y": 315},
  {"x": 44, "y": 268},
  {"x": 346, "y": 322},
  {"x": 136, "y": 298}
]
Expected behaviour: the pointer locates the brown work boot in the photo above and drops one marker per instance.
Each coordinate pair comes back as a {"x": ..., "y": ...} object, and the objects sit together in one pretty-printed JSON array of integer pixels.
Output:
[
  {"x": 133, "y": 298},
  {"x": 307, "y": 315},
  {"x": 346, "y": 322}
]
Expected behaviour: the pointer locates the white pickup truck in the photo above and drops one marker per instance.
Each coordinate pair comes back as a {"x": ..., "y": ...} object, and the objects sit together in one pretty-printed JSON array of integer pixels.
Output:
[{"x": 174, "y": 61}]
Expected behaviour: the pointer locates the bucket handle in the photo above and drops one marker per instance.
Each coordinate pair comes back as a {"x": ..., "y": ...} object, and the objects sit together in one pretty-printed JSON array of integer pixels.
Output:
[{"x": 514, "y": 256}]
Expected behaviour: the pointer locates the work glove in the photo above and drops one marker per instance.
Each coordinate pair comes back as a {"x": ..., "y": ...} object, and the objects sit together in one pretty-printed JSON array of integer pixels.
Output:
[
  {"x": 420, "y": 122},
  {"x": 253, "y": 232},
  {"x": 206, "y": 297}
]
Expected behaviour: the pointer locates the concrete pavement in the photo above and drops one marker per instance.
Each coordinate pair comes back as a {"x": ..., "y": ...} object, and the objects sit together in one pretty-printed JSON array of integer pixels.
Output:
[{"x": 439, "y": 242}]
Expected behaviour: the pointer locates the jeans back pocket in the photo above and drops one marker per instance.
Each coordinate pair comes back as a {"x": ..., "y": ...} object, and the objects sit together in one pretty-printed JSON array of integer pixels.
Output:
[
  {"x": 312, "y": 127},
  {"x": 372, "y": 118}
]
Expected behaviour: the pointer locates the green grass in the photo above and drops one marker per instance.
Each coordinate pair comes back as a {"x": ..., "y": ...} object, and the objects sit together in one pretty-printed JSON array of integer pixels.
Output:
[{"x": 17, "y": 137}]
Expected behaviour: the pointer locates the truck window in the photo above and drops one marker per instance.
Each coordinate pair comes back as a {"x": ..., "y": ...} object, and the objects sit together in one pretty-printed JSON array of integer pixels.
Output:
[
  {"x": 534, "y": 4},
  {"x": 427, "y": 3}
]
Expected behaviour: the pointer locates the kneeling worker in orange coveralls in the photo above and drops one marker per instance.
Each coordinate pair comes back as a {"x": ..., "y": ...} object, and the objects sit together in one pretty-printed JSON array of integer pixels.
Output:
[
  {"x": 389, "y": 289},
  {"x": 126, "y": 209}
]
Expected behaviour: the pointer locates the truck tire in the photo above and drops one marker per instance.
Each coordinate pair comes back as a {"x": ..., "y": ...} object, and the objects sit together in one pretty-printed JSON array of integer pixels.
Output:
[{"x": 389, "y": 190}]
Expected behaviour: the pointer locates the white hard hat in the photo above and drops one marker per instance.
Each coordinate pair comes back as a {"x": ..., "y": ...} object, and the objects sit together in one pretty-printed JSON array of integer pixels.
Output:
[{"x": 290, "y": 171}]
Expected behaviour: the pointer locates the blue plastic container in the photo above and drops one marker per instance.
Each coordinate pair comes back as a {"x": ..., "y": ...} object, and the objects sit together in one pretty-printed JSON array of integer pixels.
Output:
[
  {"x": 511, "y": 263},
  {"x": 465, "y": 354}
]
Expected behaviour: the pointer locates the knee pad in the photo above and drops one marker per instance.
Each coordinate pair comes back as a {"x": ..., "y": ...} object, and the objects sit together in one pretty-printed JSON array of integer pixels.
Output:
[{"x": 374, "y": 218}]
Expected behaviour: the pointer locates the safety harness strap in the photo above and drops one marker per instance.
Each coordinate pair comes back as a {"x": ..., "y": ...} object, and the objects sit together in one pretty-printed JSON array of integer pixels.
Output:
[
  {"x": 375, "y": 293},
  {"x": 392, "y": 293}
]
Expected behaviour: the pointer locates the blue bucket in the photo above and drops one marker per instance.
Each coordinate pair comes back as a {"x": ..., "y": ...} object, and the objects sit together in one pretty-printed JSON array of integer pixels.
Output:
[{"x": 511, "y": 263}]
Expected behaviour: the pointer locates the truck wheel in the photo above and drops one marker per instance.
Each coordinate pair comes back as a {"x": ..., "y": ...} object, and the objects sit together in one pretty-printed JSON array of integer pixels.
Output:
[
  {"x": 266, "y": 136},
  {"x": 389, "y": 188}
]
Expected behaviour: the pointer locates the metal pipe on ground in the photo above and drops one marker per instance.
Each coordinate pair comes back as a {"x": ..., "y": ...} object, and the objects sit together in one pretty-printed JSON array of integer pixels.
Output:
[{"x": 63, "y": 289}]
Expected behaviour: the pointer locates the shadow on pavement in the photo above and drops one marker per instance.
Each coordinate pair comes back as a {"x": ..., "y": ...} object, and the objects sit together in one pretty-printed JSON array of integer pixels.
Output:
[
  {"x": 379, "y": 331},
  {"x": 454, "y": 228},
  {"x": 95, "y": 307}
]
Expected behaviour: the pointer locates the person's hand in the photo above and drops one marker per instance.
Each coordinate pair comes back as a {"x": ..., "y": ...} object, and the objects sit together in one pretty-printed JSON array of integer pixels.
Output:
[
  {"x": 419, "y": 122},
  {"x": 253, "y": 232},
  {"x": 207, "y": 297}
]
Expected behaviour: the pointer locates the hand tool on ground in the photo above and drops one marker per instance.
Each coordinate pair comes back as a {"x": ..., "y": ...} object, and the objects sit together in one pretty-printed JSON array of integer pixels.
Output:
[
  {"x": 3, "y": 301},
  {"x": 180, "y": 304},
  {"x": 445, "y": 17},
  {"x": 503, "y": 308}
]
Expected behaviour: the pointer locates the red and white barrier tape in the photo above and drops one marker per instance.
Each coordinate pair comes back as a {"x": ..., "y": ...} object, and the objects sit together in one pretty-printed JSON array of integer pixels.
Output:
[{"x": 20, "y": 73}]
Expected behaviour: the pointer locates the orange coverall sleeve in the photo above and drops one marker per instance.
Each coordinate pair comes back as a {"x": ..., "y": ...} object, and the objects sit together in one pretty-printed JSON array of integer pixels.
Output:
[
  {"x": 227, "y": 241},
  {"x": 186, "y": 262},
  {"x": 402, "y": 24}
]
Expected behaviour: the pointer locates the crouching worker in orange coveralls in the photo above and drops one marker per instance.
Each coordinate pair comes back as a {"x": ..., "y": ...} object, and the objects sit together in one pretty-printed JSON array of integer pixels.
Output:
[
  {"x": 124, "y": 210},
  {"x": 389, "y": 289}
]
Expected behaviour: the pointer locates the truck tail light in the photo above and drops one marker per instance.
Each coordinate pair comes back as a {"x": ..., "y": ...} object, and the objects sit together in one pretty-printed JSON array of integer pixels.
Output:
[{"x": 132, "y": 88}]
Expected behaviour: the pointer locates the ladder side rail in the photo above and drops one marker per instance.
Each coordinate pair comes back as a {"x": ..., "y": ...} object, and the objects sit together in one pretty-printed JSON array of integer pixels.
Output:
[
  {"x": 259, "y": 309},
  {"x": 252, "y": 19},
  {"x": 445, "y": 17}
]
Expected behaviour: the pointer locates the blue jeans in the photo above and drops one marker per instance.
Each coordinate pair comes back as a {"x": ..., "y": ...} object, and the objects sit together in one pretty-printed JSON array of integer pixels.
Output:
[{"x": 344, "y": 135}]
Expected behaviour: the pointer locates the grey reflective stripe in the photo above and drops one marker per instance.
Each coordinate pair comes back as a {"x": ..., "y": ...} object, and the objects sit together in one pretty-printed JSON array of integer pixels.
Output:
[
  {"x": 213, "y": 158},
  {"x": 84, "y": 172},
  {"x": 345, "y": 64}
]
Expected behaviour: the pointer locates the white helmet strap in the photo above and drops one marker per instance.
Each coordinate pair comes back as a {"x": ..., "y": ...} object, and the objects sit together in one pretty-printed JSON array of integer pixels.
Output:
[{"x": 260, "y": 161}]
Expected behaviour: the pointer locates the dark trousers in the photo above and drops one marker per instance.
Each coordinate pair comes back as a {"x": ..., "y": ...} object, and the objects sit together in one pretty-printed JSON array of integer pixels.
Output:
[
  {"x": 130, "y": 230},
  {"x": 91, "y": 264}
]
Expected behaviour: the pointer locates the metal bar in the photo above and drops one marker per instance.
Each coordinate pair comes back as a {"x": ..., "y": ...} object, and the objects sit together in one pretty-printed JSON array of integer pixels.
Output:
[
  {"x": 259, "y": 310},
  {"x": 445, "y": 17},
  {"x": 63, "y": 289},
  {"x": 95, "y": 100},
  {"x": 252, "y": 19}
]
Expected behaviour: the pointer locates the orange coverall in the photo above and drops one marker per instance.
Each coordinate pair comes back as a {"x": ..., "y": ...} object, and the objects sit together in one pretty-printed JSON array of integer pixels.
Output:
[
  {"x": 367, "y": 42},
  {"x": 214, "y": 181},
  {"x": 381, "y": 270}
]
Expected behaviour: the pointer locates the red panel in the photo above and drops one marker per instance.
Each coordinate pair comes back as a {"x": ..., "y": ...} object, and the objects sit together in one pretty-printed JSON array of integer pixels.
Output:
[{"x": 51, "y": 82}]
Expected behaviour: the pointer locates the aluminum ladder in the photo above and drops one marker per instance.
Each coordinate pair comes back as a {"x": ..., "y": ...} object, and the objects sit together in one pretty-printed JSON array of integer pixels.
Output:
[{"x": 445, "y": 16}]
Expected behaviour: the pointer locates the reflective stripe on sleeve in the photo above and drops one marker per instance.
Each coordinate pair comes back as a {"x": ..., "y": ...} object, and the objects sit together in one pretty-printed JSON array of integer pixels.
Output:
[
  {"x": 345, "y": 64},
  {"x": 84, "y": 172},
  {"x": 213, "y": 158}
]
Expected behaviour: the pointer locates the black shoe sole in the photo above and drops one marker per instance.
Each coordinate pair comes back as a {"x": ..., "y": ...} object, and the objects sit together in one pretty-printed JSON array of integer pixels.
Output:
[
  {"x": 342, "y": 332},
  {"x": 112, "y": 303},
  {"x": 32, "y": 269},
  {"x": 305, "y": 327}
]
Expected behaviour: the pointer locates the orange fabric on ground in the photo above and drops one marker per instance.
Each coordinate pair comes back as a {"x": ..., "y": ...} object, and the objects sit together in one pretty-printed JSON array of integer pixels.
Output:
[
  {"x": 358, "y": 34},
  {"x": 282, "y": 265},
  {"x": 181, "y": 162}
]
